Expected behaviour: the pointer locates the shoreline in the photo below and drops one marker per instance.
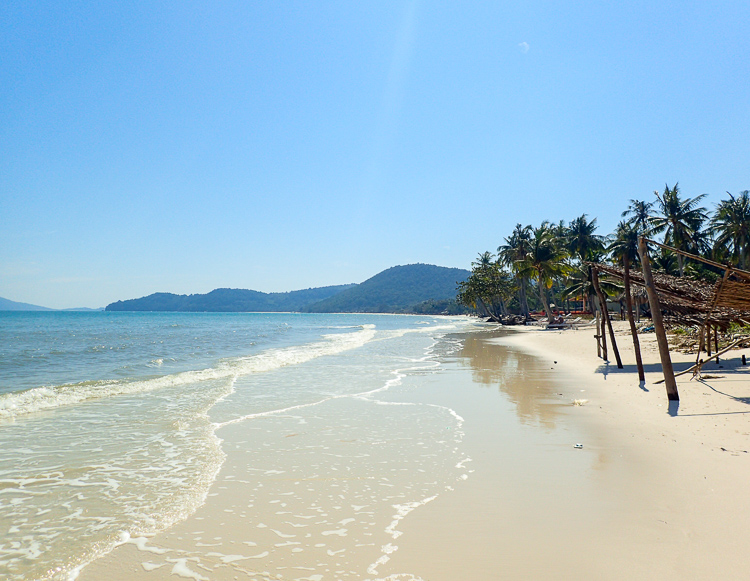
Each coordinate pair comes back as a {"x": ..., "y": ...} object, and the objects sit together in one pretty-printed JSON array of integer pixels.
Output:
[{"x": 650, "y": 496}]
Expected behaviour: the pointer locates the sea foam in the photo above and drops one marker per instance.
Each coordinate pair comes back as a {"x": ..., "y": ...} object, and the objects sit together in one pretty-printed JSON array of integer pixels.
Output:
[{"x": 49, "y": 397}]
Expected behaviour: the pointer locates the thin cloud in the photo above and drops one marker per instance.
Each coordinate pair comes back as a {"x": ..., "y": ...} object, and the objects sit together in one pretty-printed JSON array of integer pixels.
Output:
[{"x": 524, "y": 46}]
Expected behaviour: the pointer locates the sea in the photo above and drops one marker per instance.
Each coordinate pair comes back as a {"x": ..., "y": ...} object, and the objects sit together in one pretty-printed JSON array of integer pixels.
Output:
[{"x": 111, "y": 423}]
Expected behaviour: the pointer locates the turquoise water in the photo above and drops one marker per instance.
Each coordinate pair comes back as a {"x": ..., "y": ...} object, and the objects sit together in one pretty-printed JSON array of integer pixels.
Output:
[{"x": 108, "y": 420}]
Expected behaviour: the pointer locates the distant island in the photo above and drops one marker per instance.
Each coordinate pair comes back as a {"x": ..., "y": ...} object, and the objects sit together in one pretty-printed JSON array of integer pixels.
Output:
[{"x": 414, "y": 288}]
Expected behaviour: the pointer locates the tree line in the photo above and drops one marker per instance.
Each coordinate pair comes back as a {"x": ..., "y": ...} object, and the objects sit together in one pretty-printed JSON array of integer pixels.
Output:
[{"x": 537, "y": 267}]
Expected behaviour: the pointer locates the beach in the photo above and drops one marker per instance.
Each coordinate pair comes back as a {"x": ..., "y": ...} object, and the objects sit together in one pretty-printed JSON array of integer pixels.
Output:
[
  {"x": 649, "y": 495},
  {"x": 382, "y": 448}
]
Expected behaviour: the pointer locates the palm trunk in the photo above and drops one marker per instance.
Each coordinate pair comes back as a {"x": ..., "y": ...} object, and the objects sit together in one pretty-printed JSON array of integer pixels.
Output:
[
  {"x": 656, "y": 317},
  {"x": 487, "y": 311},
  {"x": 522, "y": 297},
  {"x": 543, "y": 296}
]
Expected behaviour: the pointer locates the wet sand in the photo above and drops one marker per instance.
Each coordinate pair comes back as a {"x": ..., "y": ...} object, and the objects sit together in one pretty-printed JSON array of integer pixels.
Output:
[
  {"x": 504, "y": 492},
  {"x": 654, "y": 493}
]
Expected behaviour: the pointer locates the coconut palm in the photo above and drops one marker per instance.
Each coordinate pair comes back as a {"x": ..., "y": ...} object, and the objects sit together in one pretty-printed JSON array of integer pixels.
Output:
[
  {"x": 512, "y": 254},
  {"x": 583, "y": 244},
  {"x": 545, "y": 261},
  {"x": 581, "y": 285},
  {"x": 487, "y": 287},
  {"x": 639, "y": 213},
  {"x": 581, "y": 240},
  {"x": 731, "y": 226},
  {"x": 484, "y": 260},
  {"x": 624, "y": 248},
  {"x": 666, "y": 262},
  {"x": 680, "y": 220}
]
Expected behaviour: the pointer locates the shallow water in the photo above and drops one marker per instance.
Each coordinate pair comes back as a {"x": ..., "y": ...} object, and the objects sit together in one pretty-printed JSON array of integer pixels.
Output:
[{"x": 111, "y": 427}]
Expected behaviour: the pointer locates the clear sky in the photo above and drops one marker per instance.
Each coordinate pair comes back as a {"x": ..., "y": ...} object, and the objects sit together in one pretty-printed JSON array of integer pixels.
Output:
[{"x": 184, "y": 146}]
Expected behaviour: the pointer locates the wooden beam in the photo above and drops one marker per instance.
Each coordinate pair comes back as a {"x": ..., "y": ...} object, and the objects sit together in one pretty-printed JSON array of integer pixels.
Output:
[
  {"x": 631, "y": 322},
  {"x": 605, "y": 315},
  {"x": 740, "y": 272},
  {"x": 656, "y": 317},
  {"x": 602, "y": 331}
]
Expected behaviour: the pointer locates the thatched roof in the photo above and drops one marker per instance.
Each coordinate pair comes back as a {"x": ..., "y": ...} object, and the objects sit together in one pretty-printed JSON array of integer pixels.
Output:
[{"x": 689, "y": 301}]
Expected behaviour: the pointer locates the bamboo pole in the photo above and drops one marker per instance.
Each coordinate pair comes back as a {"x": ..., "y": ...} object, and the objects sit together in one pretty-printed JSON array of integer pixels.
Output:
[
  {"x": 605, "y": 316},
  {"x": 661, "y": 336},
  {"x": 633, "y": 330}
]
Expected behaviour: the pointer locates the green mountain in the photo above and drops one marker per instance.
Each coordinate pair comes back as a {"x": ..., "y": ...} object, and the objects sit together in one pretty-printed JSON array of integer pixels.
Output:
[
  {"x": 400, "y": 289},
  {"x": 229, "y": 300},
  {"x": 8, "y": 305},
  {"x": 415, "y": 288}
]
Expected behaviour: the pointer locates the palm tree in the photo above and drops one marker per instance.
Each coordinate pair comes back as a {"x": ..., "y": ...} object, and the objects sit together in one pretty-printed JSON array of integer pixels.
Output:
[
  {"x": 639, "y": 212},
  {"x": 545, "y": 261},
  {"x": 484, "y": 260},
  {"x": 581, "y": 240},
  {"x": 680, "y": 220},
  {"x": 665, "y": 262},
  {"x": 487, "y": 287},
  {"x": 581, "y": 285},
  {"x": 731, "y": 225},
  {"x": 512, "y": 254},
  {"x": 582, "y": 243},
  {"x": 624, "y": 247}
]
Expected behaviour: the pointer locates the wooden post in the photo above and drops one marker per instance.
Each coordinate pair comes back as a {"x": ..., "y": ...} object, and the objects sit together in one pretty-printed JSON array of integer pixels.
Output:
[
  {"x": 706, "y": 328},
  {"x": 633, "y": 331},
  {"x": 716, "y": 341},
  {"x": 602, "y": 332},
  {"x": 661, "y": 335},
  {"x": 598, "y": 337},
  {"x": 605, "y": 315},
  {"x": 701, "y": 342}
]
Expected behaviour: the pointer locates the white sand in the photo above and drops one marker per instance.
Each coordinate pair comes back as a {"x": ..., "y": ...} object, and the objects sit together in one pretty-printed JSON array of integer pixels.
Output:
[{"x": 664, "y": 496}]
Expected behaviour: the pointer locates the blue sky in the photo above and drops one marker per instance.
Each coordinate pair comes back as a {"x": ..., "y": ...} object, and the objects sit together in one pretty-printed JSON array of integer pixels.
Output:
[{"x": 185, "y": 146}]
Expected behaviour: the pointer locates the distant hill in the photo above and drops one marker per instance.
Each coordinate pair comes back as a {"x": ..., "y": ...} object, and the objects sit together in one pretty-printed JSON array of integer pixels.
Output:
[
  {"x": 229, "y": 300},
  {"x": 399, "y": 289},
  {"x": 8, "y": 305},
  {"x": 414, "y": 288}
]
